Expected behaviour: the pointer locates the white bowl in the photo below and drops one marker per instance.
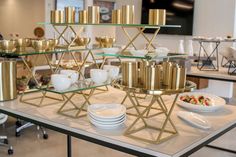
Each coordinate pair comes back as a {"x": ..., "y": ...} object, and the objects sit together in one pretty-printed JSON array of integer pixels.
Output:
[
  {"x": 98, "y": 75},
  {"x": 161, "y": 51},
  {"x": 140, "y": 53},
  {"x": 72, "y": 74},
  {"x": 60, "y": 82},
  {"x": 112, "y": 50},
  {"x": 113, "y": 71}
]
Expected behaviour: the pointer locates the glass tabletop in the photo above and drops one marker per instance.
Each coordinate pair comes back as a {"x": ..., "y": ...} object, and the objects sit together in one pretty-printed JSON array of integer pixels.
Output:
[
  {"x": 148, "y": 56},
  {"x": 111, "y": 24},
  {"x": 81, "y": 85}
]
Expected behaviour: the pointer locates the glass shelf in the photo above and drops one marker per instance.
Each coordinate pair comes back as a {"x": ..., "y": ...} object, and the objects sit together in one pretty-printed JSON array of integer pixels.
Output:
[
  {"x": 111, "y": 24},
  {"x": 148, "y": 56},
  {"x": 77, "y": 87}
]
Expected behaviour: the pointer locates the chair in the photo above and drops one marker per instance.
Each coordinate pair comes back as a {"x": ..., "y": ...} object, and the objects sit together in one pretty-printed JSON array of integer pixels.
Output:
[{"x": 3, "y": 139}]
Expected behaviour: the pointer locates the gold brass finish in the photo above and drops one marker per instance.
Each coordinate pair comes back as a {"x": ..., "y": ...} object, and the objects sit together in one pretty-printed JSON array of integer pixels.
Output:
[
  {"x": 21, "y": 44},
  {"x": 105, "y": 41},
  {"x": 130, "y": 74},
  {"x": 127, "y": 14},
  {"x": 151, "y": 17},
  {"x": 57, "y": 16},
  {"x": 7, "y": 46},
  {"x": 116, "y": 16},
  {"x": 162, "y": 16},
  {"x": 8, "y": 80},
  {"x": 82, "y": 41},
  {"x": 183, "y": 77},
  {"x": 83, "y": 17},
  {"x": 40, "y": 45},
  {"x": 93, "y": 15},
  {"x": 167, "y": 74},
  {"x": 176, "y": 77},
  {"x": 142, "y": 74},
  {"x": 153, "y": 77},
  {"x": 52, "y": 43},
  {"x": 70, "y": 14}
]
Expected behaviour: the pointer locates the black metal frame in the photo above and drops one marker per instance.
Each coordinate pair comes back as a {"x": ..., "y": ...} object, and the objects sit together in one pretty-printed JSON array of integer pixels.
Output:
[
  {"x": 232, "y": 65},
  {"x": 208, "y": 60},
  {"x": 107, "y": 144}
]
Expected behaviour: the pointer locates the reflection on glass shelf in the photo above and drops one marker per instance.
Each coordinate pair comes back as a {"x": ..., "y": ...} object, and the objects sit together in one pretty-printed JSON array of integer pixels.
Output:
[
  {"x": 111, "y": 24},
  {"x": 148, "y": 56},
  {"x": 76, "y": 87}
]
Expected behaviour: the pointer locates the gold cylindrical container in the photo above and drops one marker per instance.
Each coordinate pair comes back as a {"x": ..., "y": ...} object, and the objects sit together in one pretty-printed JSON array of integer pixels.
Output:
[
  {"x": 153, "y": 77},
  {"x": 127, "y": 14},
  {"x": 182, "y": 77},
  {"x": 93, "y": 15},
  {"x": 176, "y": 75},
  {"x": 141, "y": 73},
  {"x": 162, "y": 17},
  {"x": 57, "y": 16},
  {"x": 167, "y": 74},
  {"x": 150, "y": 16},
  {"x": 156, "y": 17},
  {"x": 83, "y": 17},
  {"x": 116, "y": 16},
  {"x": 130, "y": 74},
  {"x": 7, "y": 80},
  {"x": 70, "y": 14}
]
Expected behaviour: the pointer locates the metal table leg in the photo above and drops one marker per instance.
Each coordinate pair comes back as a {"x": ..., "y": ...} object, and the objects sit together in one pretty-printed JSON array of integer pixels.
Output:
[{"x": 69, "y": 149}]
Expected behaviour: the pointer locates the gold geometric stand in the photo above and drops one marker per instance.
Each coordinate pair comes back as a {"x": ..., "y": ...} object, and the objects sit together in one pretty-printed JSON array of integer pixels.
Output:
[
  {"x": 73, "y": 110},
  {"x": 165, "y": 131}
]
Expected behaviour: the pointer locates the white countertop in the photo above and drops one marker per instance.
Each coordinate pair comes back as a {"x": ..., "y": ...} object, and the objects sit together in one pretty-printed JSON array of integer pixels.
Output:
[{"x": 188, "y": 137}]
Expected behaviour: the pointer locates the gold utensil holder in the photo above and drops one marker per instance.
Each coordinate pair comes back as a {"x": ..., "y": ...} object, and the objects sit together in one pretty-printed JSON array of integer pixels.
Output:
[
  {"x": 93, "y": 15},
  {"x": 8, "y": 80},
  {"x": 167, "y": 74},
  {"x": 130, "y": 74},
  {"x": 83, "y": 17},
  {"x": 70, "y": 14},
  {"x": 142, "y": 71},
  {"x": 157, "y": 17},
  {"x": 183, "y": 72},
  {"x": 153, "y": 77},
  {"x": 57, "y": 16},
  {"x": 116, "y": 16},
  {"x": 176, "y": 77},
  {"x": 128, "y": 14}
]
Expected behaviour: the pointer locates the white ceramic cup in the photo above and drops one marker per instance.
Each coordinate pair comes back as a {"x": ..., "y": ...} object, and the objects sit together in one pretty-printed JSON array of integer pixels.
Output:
[
  {"x": 60, "y": 82},
  {"x": 98, "y": 75},
  {"x": 113, "y": 71},
  {"x": 72, "y": 74}
]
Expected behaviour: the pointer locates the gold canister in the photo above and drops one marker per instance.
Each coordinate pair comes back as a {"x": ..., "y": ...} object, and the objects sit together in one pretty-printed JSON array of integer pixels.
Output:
[
  {"x": 176, "y": 75},
  {"x": 57, "y": 16},
  {"x": 132, "y": 14},
  {"x": 83, "y": 17},
  {"x": 162, "y": 17},
  {"x": 130, "y": 74},
  {"x": 150, "y": 17},
  {"x": 8, "y": 80},
  {"x": 70, "y": 14},
  {"x": 182, "y": 77},
  {"x": 142, "y": 72},
  {"x": 127, "y": 16},
  {"x": 116, "y": 16},
  {"x": 93, "y": 14},
  {"x": 167, "y": 74},
  {"x": 153, "y": 77}
]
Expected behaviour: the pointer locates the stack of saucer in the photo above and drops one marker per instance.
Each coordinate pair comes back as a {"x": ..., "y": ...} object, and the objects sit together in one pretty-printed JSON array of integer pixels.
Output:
[{"x": 107, "y": 116}]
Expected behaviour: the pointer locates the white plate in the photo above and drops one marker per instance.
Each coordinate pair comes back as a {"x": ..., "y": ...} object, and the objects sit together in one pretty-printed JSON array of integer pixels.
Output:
[
  {"x": 194, "y": 119},
  {"x": 107, "y": 110},
  {"x": 105, "y": 126},
  {"x": 107, "y": 119},
  {"x": 107, "y": 122},
  {"x": 217, "y": 103}
]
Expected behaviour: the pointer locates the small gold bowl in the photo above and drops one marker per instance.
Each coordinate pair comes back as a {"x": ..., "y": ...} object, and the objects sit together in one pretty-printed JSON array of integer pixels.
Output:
[
  {"x": 40, "y": 45},
  {"x": 52, "y": 44},
  {"x": 7, "y": 45},
  {"x": 105, "y": 42},
  {"x": 21, "y": 44},
  {"x": 80, "y": 41}
]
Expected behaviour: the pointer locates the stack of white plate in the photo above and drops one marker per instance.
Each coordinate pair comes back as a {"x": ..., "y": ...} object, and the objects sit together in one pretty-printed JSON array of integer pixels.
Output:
[{"x": 107, "y": 116}]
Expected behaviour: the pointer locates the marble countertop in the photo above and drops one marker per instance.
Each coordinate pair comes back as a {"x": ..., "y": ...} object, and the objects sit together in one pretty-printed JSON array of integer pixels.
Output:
[{"x": 188, "y": 138}]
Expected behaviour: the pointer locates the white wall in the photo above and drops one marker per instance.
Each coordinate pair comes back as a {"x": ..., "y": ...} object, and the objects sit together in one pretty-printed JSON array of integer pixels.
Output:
[{"x": 20, "y": 16}]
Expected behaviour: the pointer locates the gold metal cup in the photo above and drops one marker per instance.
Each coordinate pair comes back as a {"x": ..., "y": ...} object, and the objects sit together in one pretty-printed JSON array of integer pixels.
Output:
[
  {"x": 176, "y": 75},
  {"x": 52, "y": 43},
  {"x": 130, "y": 74},
  {"x": 93, "y": 14},
  {"x": 127, "y": 14},
  {"x": 162, "y": 17},
  {"x": 150, "y": 17},
  {"x": 21, "y": 44},
  {"x": 182, "y": 77},
  {"x": 70, "y": 14},
  {"x": 8, "y": 80},
  {"x": 142, "y": 72},
  {"x": 116, "y": 16},
  {"x": 83, "y": 17},
  {"x": 7, "y": 46},
  {"x": 167, "y": 74},
  {"x": 57, "y": 16},
  {"x": 40, "y": 45},
  {"x": 153, "y": 77}
]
